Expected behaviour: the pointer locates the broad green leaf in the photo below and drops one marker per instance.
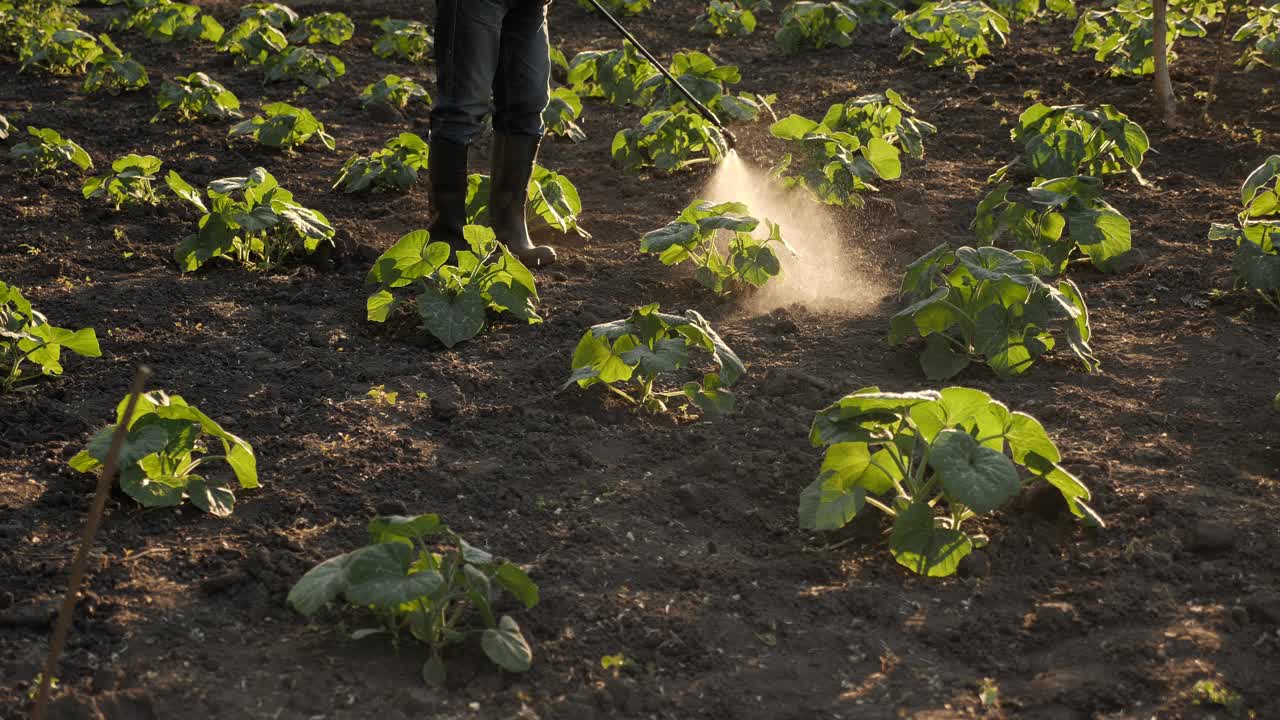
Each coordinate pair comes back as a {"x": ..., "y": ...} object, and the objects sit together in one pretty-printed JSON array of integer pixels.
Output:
[
  {"x": 506, "y": 646},
  {"x": 922, "y": 547},
  {"x": 830, "y": 502},
  {"x": 320, "y": 585},
  {"x": 1025, "y": 435},
  {"x": 940, "y": 359},
  {"x": 517, "y": 583},
  {"x": 452, "y": 318},
  {"x": 213, "y": 498},
  {"x": 376, "y": 575},
  {"x": 978, "y": 477},
  {"x": 387, "y": 528}
]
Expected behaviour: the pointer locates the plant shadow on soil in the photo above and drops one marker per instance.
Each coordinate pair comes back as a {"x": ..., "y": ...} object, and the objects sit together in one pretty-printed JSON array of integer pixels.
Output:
[{"x": 669, "y": 540}]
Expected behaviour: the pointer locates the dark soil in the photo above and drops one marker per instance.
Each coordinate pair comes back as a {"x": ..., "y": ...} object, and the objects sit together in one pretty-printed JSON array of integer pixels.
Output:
[{"x": 671, "y": 541}]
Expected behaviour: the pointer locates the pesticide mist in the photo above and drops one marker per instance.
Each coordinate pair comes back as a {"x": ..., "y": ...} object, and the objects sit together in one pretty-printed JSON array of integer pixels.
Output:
[{"x": 829, "y": 271}]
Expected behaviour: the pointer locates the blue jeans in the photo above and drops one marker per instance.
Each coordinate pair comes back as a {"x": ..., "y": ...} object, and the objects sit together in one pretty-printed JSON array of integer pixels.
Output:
[{"x": 490, "y": 49}]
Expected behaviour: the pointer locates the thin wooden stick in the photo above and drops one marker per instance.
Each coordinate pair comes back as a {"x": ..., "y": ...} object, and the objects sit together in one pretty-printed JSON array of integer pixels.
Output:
[{"x": 109, "y": 467}]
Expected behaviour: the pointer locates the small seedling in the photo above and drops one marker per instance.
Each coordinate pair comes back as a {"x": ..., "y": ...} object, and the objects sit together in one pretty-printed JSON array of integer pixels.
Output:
[
  {"x": 816, "y": 25},
  {"x": 1256, "y": 265},
  {"x": 394, "y": 167},
  {"x": 952, "y": 33},
  {"x": 282, "y": 126},
  {"x": 130, "y": 181},
  {"x": 694, "y": 237},
  {"x": 27, "y": 337},
  {"x": 453, "y": 300},
  {"x": 114, "y": 71},
  {"x": 196, "y": 97},
  {"x": 165, "y": 445},
  {"x": 403, "y": 39},
  {"x": 668, "y": 142},
  {"x": 395, "y": 91},
  {"x": 834, "y": 166},
  {"x": 419, "y": 576},
  {"x": 334, "y": 28},
  {"x": 48, "y": 152},
  {"x": 636, "y": 351}
]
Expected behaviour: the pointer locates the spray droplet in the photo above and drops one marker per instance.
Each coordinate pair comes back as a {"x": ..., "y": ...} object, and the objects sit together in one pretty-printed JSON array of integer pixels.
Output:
[{"x": 828, "y": 271}]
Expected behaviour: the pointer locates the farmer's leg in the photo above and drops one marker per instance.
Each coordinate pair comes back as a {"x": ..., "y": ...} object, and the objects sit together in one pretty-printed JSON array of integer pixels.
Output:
[
  {"x": 468, "y": 35},
  {"x": 520, "y": 92}
]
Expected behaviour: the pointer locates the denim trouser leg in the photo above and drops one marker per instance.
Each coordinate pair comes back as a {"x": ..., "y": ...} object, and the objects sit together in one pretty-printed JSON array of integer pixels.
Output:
[
  {"x": 521, "y": 88},
  {"x": 490, "y": 49}
]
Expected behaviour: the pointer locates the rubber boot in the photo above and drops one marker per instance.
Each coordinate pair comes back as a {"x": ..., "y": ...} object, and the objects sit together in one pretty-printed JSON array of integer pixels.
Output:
[
  {"x": 447, "y": 168},
  {"x": 513, "y": 159}
]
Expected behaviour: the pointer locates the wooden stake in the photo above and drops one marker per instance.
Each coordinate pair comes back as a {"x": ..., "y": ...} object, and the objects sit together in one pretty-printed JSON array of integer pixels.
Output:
[{"x": 109, "y": 468}]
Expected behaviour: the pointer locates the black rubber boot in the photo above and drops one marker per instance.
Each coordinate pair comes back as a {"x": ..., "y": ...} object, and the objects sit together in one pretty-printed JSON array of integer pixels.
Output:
[
  {"x": 513, "y": 159},
  {"x": 447, "y": 168}
]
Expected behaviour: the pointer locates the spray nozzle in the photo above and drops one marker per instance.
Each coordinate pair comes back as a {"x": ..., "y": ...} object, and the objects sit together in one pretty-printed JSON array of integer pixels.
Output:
[{"x": 729, "y": 138}]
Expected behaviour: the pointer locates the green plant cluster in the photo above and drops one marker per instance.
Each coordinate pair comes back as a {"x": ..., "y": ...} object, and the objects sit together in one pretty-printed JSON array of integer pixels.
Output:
[
  {"x": 668, "y": 141},
  {"x": 394, "y": 167},
  {"x": 636, "y": 351},
  {"x": 455, "y": 290},
  {"x": 168, "y": 440},
  {"x": 834, "y": 166},
  {"x": 989, "y": 305},
  {"x": 27, "y": 337},
  {"x": 952, "y": 33},
  {"x": 419, "y": 576},
  {"x": 934, "y": 461},
  {"x": 1256, "y": 265},
  {"x": 695, "y": 236},
  {"x": 250, "y": 220}
]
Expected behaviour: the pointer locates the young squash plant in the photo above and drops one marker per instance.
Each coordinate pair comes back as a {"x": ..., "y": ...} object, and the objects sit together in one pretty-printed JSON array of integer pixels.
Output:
[
  {"x": 834, "y": 166},
  {"x": 1121, "y": 35},
  {"x": 562, "y": 113},
  {"x": 48, "y": 152},
  {"x": 114, "y": 71},
  {"x": 196, "y": 97},
  {"x": 934, "y": 462},
  {"x": 168, "y": 440},
  {"x": 1056, "y": 218},
  {"x": 1256, "y": 265},
  {"x": 407, "y": 40},
  {"x": 395, "y": 91},
  {"x": 419, "y": 576},
  {"x": 453, "y": 300},
  {"x": 274, "y": 14},
  {"x": 165, "y": 21},
  {"x": 668, "y": 142},
  {"x": 635, "y": 352},
  {"x": 695, "y": 236},
  {"x": 728, "y": 18},
  {"x": 816, "y": 25},
  {"x": 1263, "y": 30},
  {"x": 709, "y": 83},
  {"x": 250, "y": 220},
  {"x": 21, "y": 20},
  {"x": 128, "y": 183},
  {"x": 253, "y": 41},
  {"x": 314, "y": 69},
  {"x": 988, "y": 304},
  {"x": 1059, "y": 141},
  {"x": 283, "y": 127},
  {"x": 27, "y": 337},
  {"x": 619, "y": 76},
  {"x": 952, "y": 33},
  {"x": 61, "y": 51},
  {"x": 334, "y": 28},
  {"x": 881, "y": 115},
  {"x": 394, "y": 167}
]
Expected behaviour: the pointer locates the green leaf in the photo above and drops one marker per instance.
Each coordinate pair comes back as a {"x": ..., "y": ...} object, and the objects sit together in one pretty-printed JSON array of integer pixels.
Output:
[
  {"x": 831, "y": 501},
  {"x": 517, "y": 583},
  {"x": 793, "y": 127},
  {"x": 940, "y": 360},
  {"x": 452, "y": 318},
  {"x": 976, "y": 476},
  {"x": 388, "y": 528},
  {"x": 1026, "y": 435},
  {"x": 320, "y": 585},
  {"x": 506, "y": 646},
  {"x": 376, "y": 575},
  {"x": 213, "y": 498},
  {"x": 922, "y": 547},
  {"x": 1073, "y": 491}
]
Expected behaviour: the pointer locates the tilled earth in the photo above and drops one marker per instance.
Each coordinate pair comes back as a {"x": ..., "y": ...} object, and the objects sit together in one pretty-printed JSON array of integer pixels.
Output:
[{"x": 670, "y": 540}]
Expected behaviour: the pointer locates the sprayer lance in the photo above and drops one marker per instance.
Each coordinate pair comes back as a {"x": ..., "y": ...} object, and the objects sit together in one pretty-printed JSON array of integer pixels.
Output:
[{"x": 702, "y": 109}]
